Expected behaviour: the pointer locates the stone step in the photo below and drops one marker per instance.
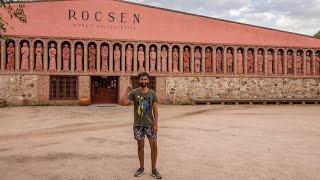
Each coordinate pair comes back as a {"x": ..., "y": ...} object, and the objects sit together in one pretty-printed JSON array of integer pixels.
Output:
[{"x": 256, "y": 101}]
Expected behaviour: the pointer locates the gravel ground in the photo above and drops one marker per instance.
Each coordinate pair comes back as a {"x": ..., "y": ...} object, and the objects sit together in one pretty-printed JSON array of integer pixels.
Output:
[{"x": 194, "y": 142}]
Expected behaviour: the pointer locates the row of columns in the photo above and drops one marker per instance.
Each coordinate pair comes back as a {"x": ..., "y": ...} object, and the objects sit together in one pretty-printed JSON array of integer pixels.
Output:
[{"x": 158, "y": 66}]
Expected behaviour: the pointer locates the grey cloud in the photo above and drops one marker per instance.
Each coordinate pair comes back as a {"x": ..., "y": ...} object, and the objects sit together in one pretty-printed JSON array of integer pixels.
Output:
[{"x": 300, "y": 16}]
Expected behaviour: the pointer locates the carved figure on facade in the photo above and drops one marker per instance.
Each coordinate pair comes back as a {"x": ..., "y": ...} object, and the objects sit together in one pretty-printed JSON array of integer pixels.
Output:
[
  {"x": 279, "y": 62},
  {"x": 290, "y": 63},
  {"x": 92, "y": 58},
  {"x": 299, "y": 63},
  {"x": 129, "y": 56},
  {"x": 39, "y": 52},
  {"x": 186, "y": 60},
  {"x": 79, "y": 57},
  {"x": 317, "y": 63},
  {"x": 229, "y": 62},
  {"x": 197, "y": 61},
  {"x": 239, "y": 61},
  {"x": 117, "y": 61},
  {"x": 25, "y": 57},
  {"x": 219, "y": 61},
  {"x": 52, "y": 58},
  {"x": 141, "y": 59},
  {"x": 153, "y": 60},
  {"x": 250, "y": 62},
  {"x": 208, "y": 61},
  {"x": 308, "y": 63},
  {"x": 260, "y": 62},
  {"x": 175, "y": 60},
  {"x": 66, "y": 57},
  {"x": 104, "y": 58},
  {"x": 164, "y": 57},
  {"x": 270, "y": 62},
  {"x": 10, "y": 56}
]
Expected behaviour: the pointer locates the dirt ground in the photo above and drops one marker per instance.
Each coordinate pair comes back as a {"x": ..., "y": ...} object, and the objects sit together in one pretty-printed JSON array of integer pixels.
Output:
[{"x": 194, "y": 142}]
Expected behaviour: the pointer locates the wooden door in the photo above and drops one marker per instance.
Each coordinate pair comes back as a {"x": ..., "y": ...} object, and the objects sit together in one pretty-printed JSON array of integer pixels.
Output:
[{"x": 104, "y": 89}]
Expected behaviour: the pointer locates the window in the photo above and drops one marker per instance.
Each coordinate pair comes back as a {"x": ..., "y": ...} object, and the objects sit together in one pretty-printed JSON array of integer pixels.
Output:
[
  {"x": 63, "y": 87},
  {"x": 151, "y": 85}
]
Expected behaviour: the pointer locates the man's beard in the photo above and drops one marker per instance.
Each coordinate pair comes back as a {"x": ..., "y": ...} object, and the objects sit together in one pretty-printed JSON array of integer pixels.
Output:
[{"x": 144, "y": 84}]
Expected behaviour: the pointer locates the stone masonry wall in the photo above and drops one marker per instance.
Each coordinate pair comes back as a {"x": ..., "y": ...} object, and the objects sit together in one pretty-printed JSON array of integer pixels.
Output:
[
  {"x": 124, "y": 81},
  {"x": 34, "y": 89},
  {"x": 182, "y": 90},
  {"x": 161, "y": 89},
  {"x": 19, "y": 89},
  {"x": 84, "y": 86}
]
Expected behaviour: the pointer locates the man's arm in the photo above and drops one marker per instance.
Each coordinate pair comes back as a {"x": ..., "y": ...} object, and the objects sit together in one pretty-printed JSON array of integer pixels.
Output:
[
  {"x": 155, "y": 115},
  {"x": 125, "y": 100}
]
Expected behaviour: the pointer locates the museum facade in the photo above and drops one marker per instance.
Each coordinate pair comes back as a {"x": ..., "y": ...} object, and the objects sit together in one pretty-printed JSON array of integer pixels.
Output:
[{"x": 94, "y": 48}]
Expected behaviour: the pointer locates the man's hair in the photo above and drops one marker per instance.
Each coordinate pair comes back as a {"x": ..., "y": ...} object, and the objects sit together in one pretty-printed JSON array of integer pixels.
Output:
[{"x": 143, "y": 74}]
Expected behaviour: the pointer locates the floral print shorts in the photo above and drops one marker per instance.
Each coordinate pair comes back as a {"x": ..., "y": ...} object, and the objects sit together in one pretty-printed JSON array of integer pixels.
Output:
[{"x": 140, "y": 132}]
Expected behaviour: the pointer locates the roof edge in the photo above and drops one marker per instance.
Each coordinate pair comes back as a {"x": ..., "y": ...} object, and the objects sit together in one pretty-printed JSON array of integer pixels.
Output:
[{"x": 182, "y": 12}]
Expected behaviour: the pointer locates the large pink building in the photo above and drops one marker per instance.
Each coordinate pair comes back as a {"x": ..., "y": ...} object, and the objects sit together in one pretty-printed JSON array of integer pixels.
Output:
[{"x": 95, "y": 48}]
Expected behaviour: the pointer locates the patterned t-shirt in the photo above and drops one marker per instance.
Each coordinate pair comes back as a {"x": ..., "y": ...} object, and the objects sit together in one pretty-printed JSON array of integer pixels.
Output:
[{"x": 143, "y": 113}]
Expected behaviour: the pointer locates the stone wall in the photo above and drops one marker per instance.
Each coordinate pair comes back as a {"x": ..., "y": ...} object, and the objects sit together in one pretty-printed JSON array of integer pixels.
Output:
[
  {"x": 124, "y": 81},
  {"x": 182, "y": 90},
  {"x": 19, "y": 89},
  {"x": 84, "y": 86},
  {"x": 161, "y": 89}
]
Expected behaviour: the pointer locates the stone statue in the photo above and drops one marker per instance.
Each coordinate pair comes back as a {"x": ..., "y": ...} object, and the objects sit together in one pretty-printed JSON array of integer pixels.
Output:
[
  {"x": 175, "y": 60},
  {"x": 197, "y": 61},
  {"x": 164, "y": 56},
  {"x": 10, "y": 58},
  {"x": 141, "y": 59},
  {"x": 66, "y": 57},
  {"x": 117, "y": 56},
  {"x": 79, "y": 55},
  {"x": 279, "y": 62},
  {"x": 308, "y": 63},
  {"x": 153, "y": 59},
  {"x": 290, "y": 63},
  {"x": 240, "y": 61},
  {"x": 260, "y": 62},
  {"x": 104, "y": 58},
  {"x": 229, "y": 62},
  {"x": 92, "y": 58},
  {"x": 208, "y": 61},
  {"x": 129, "y": 55},
  {"x": 299, "y": 63},
  {"x": 39, "y": 52},
  {"x": 186, "y": 60},
  {"x": 250, "y": 62},
  {"x": 270, "y": 62},
  {"x": 219, "y": 61},
  {"x": 317, "y": 63},
  {"x": 25, "y": 57},
  {"x": 52, "y": 55}
]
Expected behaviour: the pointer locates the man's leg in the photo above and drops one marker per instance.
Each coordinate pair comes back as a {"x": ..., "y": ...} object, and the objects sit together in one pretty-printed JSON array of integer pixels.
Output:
[
  {"x": 141, "y": 152},
  {"x": 154, "y": 152},
  {"x": 139, "y": 136}
]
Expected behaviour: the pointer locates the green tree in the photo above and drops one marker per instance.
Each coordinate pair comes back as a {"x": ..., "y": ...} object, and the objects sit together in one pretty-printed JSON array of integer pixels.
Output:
[
  {"x": 317, "y": 35},
  {"x": 15, "y": 11}
]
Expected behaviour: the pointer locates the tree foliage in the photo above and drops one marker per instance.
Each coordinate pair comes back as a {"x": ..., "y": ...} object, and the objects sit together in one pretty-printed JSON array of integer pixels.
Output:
[
  {"x": 317, "y": 35},
  {"x": 15, "y": 10}
]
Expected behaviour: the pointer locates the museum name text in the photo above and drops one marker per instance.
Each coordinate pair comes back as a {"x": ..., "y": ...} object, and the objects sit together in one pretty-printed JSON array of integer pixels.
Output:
[{"x": 100, "y": 16}]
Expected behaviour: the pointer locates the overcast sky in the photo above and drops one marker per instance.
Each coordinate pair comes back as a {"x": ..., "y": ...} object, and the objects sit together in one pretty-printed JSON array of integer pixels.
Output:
[{"x": 300, "y": 16}]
